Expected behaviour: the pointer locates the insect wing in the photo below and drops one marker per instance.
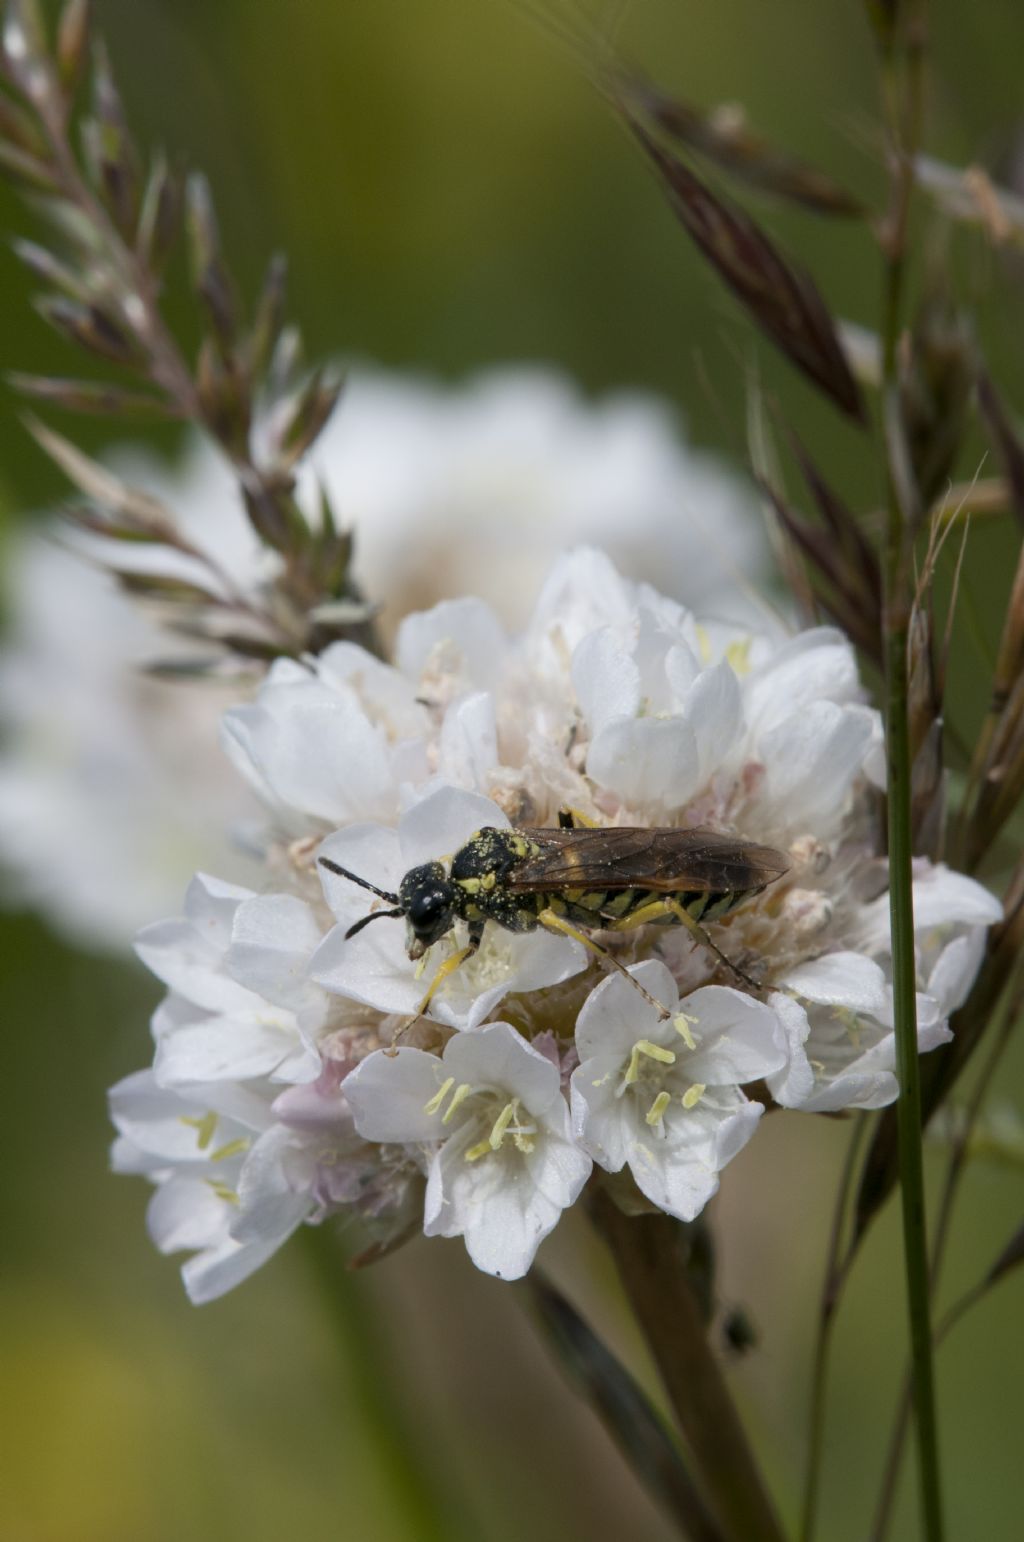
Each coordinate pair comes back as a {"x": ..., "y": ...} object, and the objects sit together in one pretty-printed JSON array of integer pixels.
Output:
[{"x": 628, "y": 857}]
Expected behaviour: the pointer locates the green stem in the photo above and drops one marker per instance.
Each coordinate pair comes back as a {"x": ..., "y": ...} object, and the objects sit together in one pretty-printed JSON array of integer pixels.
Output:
[
  {"x": 954, "y": 1173},
  {"x": 903, "y": 88},
  {"x": 410, "y": 1485},
  {"x": 652, "y": 1266},
  {"x": 908, "y": 1108},
  {"x": 831, "y": 1289}
]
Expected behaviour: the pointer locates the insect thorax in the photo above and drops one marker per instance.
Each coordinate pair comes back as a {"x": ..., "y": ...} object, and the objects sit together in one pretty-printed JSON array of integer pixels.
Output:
[{"x": 480, "y": 873}]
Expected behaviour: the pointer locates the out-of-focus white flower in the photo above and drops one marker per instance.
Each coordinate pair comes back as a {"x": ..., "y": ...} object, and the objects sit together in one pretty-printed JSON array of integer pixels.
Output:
[
  {"x": 489, "y": 1112},
  {"x": 624, "y": 706},
  {"x": 476, "y": 489},
  {"x": 112, "y": 787}
]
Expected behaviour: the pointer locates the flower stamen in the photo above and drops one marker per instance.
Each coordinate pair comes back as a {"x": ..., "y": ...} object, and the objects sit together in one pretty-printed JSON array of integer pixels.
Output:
[
  {"x": 652, "y": 1052},
  {"x": 204, "y": 1125},
  {"x": 682, "y": 1023},
  {"x": 656, "y": 1113}
]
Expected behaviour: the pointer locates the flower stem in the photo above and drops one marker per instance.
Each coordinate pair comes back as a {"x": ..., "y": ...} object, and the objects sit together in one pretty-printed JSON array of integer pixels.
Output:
[{"x": 651, "y": 1263}]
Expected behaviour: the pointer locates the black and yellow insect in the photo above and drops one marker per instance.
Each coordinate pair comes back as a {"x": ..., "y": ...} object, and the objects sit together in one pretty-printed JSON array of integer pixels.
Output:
[{"x": 575, "y": 880}]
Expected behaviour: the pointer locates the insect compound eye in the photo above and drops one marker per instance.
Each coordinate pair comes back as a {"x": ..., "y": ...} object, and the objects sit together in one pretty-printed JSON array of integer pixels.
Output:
[
  {"x": 427, "y": 900},
  {"x": 427, "y": 907}
]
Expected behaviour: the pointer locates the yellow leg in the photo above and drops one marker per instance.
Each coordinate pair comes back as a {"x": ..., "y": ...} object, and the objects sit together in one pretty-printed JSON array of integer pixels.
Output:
[
  {"x": 656, "y": 910},
  {"x": 571, "y": 819},
  {"x": 448, "y": 967},
  {"x": 555, "y": 923}
]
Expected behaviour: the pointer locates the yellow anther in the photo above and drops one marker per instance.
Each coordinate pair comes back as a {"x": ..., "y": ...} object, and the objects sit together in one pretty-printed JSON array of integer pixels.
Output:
[
  {"x": 502, "y": 1123},
  {"x": 850, "y": 1022},
  {"x": 232, "y": 1148},
  {"x": 682, "y": 1023},
  {"x": 692, "y": 1096},
  {"x": 434, "y": 1106},
  {"x": 204, "y": 1126},
  {"x": 461, "y": 1092},
  {"x": 222, "y": 1191},
  {"x": 656, "y": 1112},
  {"x": 703, "y": 643},
  {"x": 482, "y": 1148},
  {"x": 738, "y": 655},
  {"x": 653, "y": 1052}
]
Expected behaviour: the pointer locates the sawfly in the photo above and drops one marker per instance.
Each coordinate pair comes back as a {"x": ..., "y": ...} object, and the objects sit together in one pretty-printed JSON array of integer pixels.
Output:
[{"x": 575, "y": 879}]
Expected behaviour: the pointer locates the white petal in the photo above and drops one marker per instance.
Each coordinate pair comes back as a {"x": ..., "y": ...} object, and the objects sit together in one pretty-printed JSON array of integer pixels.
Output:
[
  {"x": 224, "y": 1048},
  {"x": 714, "y": 711},
  {"x": 853, "y": 1089},
  {"x": 371, "y": 852},
  {"x": 497, "y": 1056},
  {"x": 273, "y": 940},
  {"x": 840, "y": 980},
  {"x": 954, "y": 971},
  {"x": 945, "y": 898},
  {"x": 540, "y": 959},
  {"x": 182, "y": 960},
  {"x": 186, "y": 1213},
  {"x": 443, "y": 821},
  {"x": 814, "y": 666},
  {"x": 315, "y": 751},
  {"x": 738, "y": 1039},
  {"x": 605, "y": 679},
  {"x": 210, "y": 907},
  {"x": 811, "y": 761},
  {"x": 615, "y": 1015},
  {"x": 271, "y": 1206},
  {"x": 794, "y": 1082},
  {"x": 646, "y": 761},
  {"x": 468, "y": 746},
  {"x": 734, "y": 1132},
  {"x": 388, "y": 1093},
  {"x": 672, "y": 1177},
  {"x": 217, "y": 1270},
  {"x": 603, "y": 1123},
  {"x": 467, "y": 626}
]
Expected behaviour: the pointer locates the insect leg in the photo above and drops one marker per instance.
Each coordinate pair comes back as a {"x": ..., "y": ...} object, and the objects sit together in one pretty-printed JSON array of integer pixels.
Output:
[
  {"x": 448, "y": 967},
  {"x": 658, "y": 909},
  {"x": 555, "y": 923}
]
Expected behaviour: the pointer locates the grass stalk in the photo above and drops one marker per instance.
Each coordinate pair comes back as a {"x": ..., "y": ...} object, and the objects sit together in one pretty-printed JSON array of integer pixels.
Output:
[{"x": 902, "y": 70}]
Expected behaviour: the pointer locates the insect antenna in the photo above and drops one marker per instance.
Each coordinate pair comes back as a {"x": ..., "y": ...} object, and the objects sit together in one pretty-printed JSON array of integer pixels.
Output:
[
  {"x": 375, "y": 915},
  {"x": 343, "y": 872}
]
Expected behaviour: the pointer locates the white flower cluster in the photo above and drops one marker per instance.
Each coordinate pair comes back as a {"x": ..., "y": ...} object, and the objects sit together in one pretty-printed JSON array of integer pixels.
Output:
[{"x": 288, "y": 1084}]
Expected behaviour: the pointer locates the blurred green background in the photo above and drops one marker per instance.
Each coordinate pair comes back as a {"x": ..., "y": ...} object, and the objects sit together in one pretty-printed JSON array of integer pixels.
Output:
[{"x": 452, "y": 195}]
